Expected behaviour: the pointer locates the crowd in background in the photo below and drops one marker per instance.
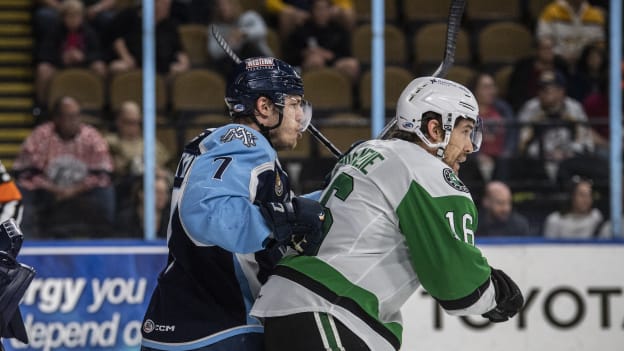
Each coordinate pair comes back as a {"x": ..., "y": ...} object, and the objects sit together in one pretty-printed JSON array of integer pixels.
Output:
[{"x": 546, "y": 130}]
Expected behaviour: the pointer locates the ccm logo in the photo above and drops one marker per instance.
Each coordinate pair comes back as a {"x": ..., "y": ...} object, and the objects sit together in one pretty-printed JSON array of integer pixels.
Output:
[{"x": 149, "y": 326}]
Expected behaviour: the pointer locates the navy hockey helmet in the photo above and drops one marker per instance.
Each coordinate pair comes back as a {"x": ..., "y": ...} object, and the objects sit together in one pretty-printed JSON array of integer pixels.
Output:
[{"x": 260, "y": 76}]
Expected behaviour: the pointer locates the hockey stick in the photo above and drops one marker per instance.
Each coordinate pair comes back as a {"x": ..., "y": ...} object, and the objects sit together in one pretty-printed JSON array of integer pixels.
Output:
[
  {"x": 456, "y": 11},
  {"x": 311, "y": 128},
  {"x": 320, "y": 137},
  {"x": 224, "y": 45}
]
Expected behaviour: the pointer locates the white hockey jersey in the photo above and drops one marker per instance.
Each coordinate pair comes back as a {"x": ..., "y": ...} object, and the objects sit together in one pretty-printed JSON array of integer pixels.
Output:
[{"x": 397, "y": 217}]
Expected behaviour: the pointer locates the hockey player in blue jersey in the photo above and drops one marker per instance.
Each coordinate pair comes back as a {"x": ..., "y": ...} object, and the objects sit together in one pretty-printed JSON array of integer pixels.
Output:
[{"x": 233, "y": 216}]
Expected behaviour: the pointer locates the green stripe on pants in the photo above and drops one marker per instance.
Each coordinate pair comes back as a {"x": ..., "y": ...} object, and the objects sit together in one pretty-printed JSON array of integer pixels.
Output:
[{"x": 329, "y": 334}]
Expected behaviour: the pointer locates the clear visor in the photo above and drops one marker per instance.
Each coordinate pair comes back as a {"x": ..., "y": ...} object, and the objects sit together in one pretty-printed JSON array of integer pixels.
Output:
[
  {"x": 307, "y": 115},
  {"x": 477, "y": 135}
]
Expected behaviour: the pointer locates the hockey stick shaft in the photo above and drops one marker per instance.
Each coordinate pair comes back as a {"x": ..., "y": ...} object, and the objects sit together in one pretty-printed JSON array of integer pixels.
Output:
[
  {"x": 311, "y": 128},
  {"x": 456, "y": 11},
  {"x": 323, "y": 140},
  {"x": 224, "y": 45}
]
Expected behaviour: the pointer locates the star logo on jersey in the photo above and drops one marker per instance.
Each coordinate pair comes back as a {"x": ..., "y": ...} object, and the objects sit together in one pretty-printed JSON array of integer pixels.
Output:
[
  {"x": 239, "y": 133},
  {"x": 451, "y": 179}
]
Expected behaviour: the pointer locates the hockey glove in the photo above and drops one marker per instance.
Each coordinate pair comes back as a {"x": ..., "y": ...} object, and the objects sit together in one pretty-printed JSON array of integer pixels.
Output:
[
  {"x": 14, "y": 280},
  {"x": 11, "y": 237},
  {"x": 297, "y": 224},
  {"x": 509, "y": 298}
]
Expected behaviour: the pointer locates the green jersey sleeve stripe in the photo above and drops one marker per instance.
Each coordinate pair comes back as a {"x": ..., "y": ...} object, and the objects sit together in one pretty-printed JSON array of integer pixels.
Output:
[
  {"x": 436, "y": 230},
  {"x": 342, "y": 290}
]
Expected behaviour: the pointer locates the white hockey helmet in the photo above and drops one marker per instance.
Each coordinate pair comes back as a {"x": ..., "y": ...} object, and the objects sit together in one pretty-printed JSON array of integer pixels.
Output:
[{"x": 446, "y": 98}]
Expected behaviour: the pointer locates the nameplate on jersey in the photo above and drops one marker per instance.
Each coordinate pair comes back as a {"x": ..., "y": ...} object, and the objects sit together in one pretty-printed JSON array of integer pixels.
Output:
[{"x": 239, "y": 133}]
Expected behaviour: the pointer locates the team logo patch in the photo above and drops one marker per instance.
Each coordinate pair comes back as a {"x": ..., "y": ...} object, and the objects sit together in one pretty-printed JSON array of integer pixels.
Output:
[
  {"x": 241, "y": 134},
  {"x": 279, "y": 186},
  {"x": 239, "y": 108},
  {"x": 451, "y": 179},
  {"x": 148, "y": 326}
]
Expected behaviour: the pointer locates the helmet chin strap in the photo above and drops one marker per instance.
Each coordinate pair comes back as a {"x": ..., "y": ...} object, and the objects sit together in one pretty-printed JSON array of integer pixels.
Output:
[
  {"x": 442, "y": 146},
  {"x": 264, "y": 129}
]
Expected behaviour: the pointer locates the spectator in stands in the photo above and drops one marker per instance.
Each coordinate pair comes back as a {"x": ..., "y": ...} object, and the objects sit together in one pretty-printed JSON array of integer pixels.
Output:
[
  {"x": 554, "y": 125},
  {"x": 99, "y": 13},
  {"x": 499, "y": 143},
  {"x": 128, "y": 41},
  {"x": 590, "y": 72},
  {"x": 497, "y": 217},
  {"x": 596, "y": 105},
  {"x": 578, "y": 219},
  {"x": 63, "y": 171},
  {"x": 126, "y": 142},
  {"x": 72, "y": 43},
  {"x": 589, "y": 85},
  {"x": 294, "y": 13},
  {"x": 573, "y": 24},
  {"x": 524, "y": 79},
  {"x": 322, "y": 42},
  {"x": 130, "y": 218},
  {"x": 245, "y": 32},
  {"x": 126, "y": 148}
]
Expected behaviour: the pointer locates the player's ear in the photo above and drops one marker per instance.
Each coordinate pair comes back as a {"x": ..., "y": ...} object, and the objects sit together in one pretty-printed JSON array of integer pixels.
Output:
[
  {"x": 434, "y": 130},
  {"x": 264, "y": 107}
]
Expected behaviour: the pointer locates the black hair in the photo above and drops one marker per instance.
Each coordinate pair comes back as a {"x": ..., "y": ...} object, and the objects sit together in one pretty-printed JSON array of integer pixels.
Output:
[{"x": 411, "y": 137}]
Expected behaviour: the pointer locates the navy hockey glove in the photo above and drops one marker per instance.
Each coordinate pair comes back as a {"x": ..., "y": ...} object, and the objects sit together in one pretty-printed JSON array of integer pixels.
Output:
[
  {"x": 11, "y": 237},
  {"x": 298, "y": 224},
  {"x": 14, "y": 280},
  {"x": 509, "y": 298}
]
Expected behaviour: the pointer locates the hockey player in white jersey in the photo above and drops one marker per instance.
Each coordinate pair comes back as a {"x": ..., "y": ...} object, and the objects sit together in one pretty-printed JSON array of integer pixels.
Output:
[{"x": 397, "y": 217}]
